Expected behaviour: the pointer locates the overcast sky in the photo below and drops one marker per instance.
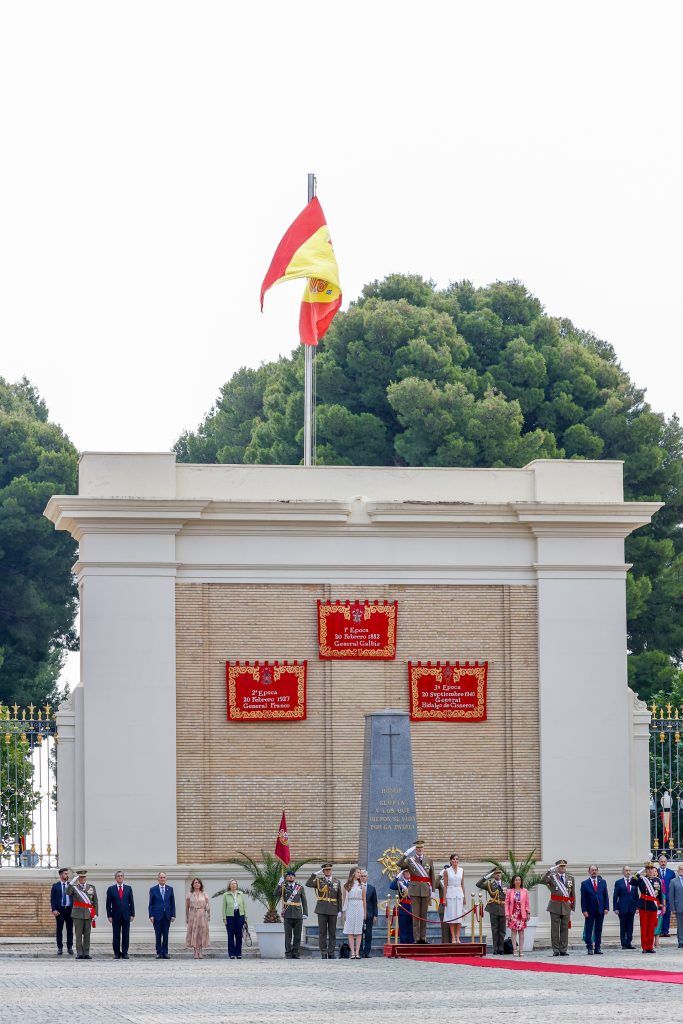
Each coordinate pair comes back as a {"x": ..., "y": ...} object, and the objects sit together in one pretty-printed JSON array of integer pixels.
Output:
[{"x": 153, "y": 153}]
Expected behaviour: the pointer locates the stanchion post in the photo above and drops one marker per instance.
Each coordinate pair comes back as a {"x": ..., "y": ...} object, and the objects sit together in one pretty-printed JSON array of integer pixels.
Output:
[
  {"x": 473, "y": 917},
  {"x": 481, "y": 918}
]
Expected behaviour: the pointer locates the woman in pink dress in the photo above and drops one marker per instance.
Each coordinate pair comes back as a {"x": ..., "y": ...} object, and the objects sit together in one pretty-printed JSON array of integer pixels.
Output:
[
  {"x": 197, "y": 916},
  {"x": 517, "y": 913}
]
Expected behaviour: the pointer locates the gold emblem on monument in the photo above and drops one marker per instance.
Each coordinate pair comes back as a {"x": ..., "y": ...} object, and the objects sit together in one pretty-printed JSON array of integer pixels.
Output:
[{"x": 389, "y": 862}]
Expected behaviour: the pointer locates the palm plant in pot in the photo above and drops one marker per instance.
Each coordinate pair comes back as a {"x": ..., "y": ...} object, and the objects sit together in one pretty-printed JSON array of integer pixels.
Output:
[
  {"x": 530, "y": 879},
  {"x": 264, "y": 887}
]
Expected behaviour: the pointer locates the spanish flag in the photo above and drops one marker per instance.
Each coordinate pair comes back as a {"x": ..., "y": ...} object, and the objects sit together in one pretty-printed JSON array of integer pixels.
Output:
[{"x": 306, "y": 251}]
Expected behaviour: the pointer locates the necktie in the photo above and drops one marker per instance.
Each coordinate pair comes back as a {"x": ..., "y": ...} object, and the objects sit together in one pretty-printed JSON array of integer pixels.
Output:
[
  {"x": 120, "y": 892},
  {"x": 64, "y": 900},
  {"x": 163, "y": 890},
  {"x": 595, "y": 884}
]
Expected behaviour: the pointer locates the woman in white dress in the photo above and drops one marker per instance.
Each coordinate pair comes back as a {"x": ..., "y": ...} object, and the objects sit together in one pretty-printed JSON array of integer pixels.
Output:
[
  {"x": 454, "y": 887},
  {"x": 353, "y": 905}
]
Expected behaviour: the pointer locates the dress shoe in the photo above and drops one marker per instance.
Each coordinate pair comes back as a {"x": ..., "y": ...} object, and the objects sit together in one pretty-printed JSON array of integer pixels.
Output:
[
  {"x": 598, "y": 952},
  {"x": 70, "y": 952},
  {"x": 165, "y": 956},
  {"x": 589, "y": 951},
  {"x": 124, "y": 956},
  {"x": 60, "y": 952},
  {"x": 564, "y": 953},
  {"x": 295, "y": 956},
  {"x": 556, "y": 954},
  {"x": 629, "y": 947},
  {"x": 87, "y": 956},
  {"x": 117, "y": 956},
  {"x": 81, "y": 957}
]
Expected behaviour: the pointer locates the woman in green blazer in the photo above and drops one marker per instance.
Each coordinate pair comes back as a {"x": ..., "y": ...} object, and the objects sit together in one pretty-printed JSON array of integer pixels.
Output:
[{"x": 234, "y": 915}]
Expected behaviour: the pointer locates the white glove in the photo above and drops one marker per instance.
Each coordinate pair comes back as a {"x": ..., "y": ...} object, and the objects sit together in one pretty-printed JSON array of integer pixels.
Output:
[{"x": 409, "y": 851}]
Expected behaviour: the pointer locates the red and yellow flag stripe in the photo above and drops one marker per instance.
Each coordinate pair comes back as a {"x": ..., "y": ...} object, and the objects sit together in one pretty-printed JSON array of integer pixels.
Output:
[{"x": 306, "y": 252}]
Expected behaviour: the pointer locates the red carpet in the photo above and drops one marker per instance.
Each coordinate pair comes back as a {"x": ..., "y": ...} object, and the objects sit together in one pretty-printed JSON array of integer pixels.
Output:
[{"x": 626, "y": 973}]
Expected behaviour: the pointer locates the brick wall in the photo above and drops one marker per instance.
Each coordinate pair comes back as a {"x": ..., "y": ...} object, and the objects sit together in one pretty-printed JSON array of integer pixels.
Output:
[
  {"x": 477, "y": 785},
  {"x": 25, "y": 909}
]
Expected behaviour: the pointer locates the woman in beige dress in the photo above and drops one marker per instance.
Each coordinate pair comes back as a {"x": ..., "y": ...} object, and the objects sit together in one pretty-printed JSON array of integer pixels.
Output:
[{"x": 197, "y": 915}]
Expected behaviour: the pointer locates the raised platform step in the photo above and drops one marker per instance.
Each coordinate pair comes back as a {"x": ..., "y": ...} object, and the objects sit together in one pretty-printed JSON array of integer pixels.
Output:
[{"x": 435, "y": 949}]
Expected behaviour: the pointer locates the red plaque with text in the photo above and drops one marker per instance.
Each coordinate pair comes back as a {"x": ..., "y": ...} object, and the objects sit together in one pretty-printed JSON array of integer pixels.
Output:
[
  {"x": 261, "y": 691},
  {"x": 357, "y": 630},
  {"x": 447, "y": 693}
]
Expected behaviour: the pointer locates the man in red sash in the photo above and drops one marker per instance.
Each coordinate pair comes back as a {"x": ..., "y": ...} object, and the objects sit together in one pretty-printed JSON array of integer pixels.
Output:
[
  {"x": 83, "y": 912},
  {"x": 420, "y": 888},
  {"x": 562, "y": 902},
  {"x": 649, "y": 905}
]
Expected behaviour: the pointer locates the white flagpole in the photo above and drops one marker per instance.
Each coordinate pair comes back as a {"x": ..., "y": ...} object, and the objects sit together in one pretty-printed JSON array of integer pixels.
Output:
[{"x": 308, "y": 373}]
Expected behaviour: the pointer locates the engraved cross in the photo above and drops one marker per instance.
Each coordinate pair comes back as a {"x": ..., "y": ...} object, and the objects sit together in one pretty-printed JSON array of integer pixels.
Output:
[{"x": 390, "y": 735}]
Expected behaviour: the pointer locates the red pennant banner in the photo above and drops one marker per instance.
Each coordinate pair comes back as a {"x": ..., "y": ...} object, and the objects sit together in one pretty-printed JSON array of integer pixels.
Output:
[
  {"x": 261, "y": 691},
  {"x": 446, "y": 692},
  {"x": 282, "y": 842},
  {"x": 357, "y": 630}
]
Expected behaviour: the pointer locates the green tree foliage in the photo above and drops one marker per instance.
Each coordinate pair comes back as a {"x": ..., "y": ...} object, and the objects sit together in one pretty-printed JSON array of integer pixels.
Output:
[
  {"x": 411, "y": 375},
  {"x": 37, "y": 590}
]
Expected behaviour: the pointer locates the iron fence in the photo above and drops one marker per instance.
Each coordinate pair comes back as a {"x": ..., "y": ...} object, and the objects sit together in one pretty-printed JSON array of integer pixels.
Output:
[
  {"x": 666, "y": 781},
  {"x": 28, "y": 787}
]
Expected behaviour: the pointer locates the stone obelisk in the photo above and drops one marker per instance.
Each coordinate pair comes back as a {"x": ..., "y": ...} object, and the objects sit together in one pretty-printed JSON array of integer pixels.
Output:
[{"x": 388, "y": 823}]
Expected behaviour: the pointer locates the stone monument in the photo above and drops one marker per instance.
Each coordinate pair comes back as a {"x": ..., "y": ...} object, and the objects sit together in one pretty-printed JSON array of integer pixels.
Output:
[{"x": 388, "y": 822}]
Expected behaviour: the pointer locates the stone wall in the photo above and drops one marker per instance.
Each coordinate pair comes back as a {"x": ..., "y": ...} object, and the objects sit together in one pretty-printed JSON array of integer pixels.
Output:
[
  {"x": 25, "y": 908},
  {"x": 477, "y": 785}
]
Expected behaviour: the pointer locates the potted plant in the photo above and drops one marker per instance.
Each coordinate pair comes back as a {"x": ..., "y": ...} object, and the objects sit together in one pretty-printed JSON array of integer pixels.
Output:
[
  {"x": 530, "y": 879},
  {"x": 266, "y": 879}
]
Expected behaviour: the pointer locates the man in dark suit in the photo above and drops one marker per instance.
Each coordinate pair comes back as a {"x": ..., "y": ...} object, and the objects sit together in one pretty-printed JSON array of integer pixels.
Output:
[
  {"x": 624, "y": 903},
  {"x": 161, "y": 913},
  {"x": 675, "y": 903},
  {"x": 370, "y": 913},
  {"x": 60, "y": 905},
  {"x": 594, "y": 906},
  {"x": 666, "y": 877},
  {"x": 120, "y": 912}
]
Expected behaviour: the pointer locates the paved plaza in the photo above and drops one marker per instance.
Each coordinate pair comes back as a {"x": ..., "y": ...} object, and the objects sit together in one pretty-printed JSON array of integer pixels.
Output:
[{"x": 37, "y": 986}]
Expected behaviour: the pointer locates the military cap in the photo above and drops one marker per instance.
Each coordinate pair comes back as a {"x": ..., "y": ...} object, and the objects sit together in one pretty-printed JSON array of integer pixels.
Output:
[
  {"x": 81, "y": 871},
  {"x": 649, "y": 864},
  {"x": 560, "y": 862},
  {"x": 328, "y": 865},
  {"x": 419, "y": 842},
  {"x": 288, "y": 873}
]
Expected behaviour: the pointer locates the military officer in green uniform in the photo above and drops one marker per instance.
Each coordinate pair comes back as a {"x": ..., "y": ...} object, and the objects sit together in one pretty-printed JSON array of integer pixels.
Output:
[
  {"x": 562, "y": 902},
  {"x": 492, "y": 884},
  {"x": 84, "y": 911},
  {"x": 421, "y": 887},
  {"x": 328, "y": 893},
  {"x": 294, "y": 910}
]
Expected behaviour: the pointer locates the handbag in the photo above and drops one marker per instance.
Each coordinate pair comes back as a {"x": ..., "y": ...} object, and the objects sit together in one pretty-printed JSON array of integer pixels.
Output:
[
  {"x": 507, "y": 946},
  {"x": 344, "y": 951},
  {"x": 246, "y": 937}
]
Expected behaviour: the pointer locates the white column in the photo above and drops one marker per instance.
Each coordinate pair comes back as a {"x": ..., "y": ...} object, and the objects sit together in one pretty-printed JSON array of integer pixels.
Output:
[
  {"x": 585, "y": 716},
  {"x": 129, "y": 715},
  {"x": 66, "y": 782},
  {"x": 640, "y": 779}
]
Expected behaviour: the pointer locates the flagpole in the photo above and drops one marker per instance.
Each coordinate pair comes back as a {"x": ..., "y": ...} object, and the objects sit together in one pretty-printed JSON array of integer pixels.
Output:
[{"x": 308, "y": 372}]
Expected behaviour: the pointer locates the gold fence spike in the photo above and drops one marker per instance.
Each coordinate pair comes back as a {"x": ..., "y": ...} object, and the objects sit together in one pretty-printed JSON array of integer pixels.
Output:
[
  {"x": 15, "y": 709},
  {"x": 23, "y": 714},
  {"x": 653, "y": 709},
  {"x": 40, "y": 715},
  {"x": 48, "y": 709},
  {"x": 668, "y": 710},
  {"x": 31, "y": 709}
]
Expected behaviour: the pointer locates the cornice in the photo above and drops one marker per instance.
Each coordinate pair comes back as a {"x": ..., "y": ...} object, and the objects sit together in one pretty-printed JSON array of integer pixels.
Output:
[{"x": 82, "y": 515}]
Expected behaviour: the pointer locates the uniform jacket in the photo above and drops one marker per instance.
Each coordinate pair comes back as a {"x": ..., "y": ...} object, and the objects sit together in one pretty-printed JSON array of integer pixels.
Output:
[
  {"x": 496, "y": 895},
  {"x": 370, "y": 901},
  {"x": 421, "y": 889},
  {"x": 296, "y": 907},
  {"x": 56, "y": 898},
  {"x": 560, "y": 906},
  {"x": 83, "y": 912},
  {"x": 675, "y": 895},
  {"x": 624, "y": 897},
  {"x": 523, "y": 902},
  {"x": 656, "y": 884},
  {"x": 328, "y": 892},
  {"x": 161, "y": 907},
  {"x": 120, "y": 909},
  {"x": 592, "y": 902}
]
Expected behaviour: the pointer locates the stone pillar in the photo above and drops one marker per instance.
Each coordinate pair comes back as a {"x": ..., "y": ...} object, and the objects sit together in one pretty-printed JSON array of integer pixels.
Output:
[
  {"x": 387, "y": 820},
  {"x": 640, "y": 779}
]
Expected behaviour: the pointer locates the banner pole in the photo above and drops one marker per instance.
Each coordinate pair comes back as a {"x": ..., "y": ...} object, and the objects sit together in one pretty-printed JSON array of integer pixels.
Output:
[{"x": 308, "y": 372}]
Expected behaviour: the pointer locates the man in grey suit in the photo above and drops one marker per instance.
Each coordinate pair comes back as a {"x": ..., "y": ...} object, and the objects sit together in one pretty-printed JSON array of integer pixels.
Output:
[{"x": 675, "y": 902}]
